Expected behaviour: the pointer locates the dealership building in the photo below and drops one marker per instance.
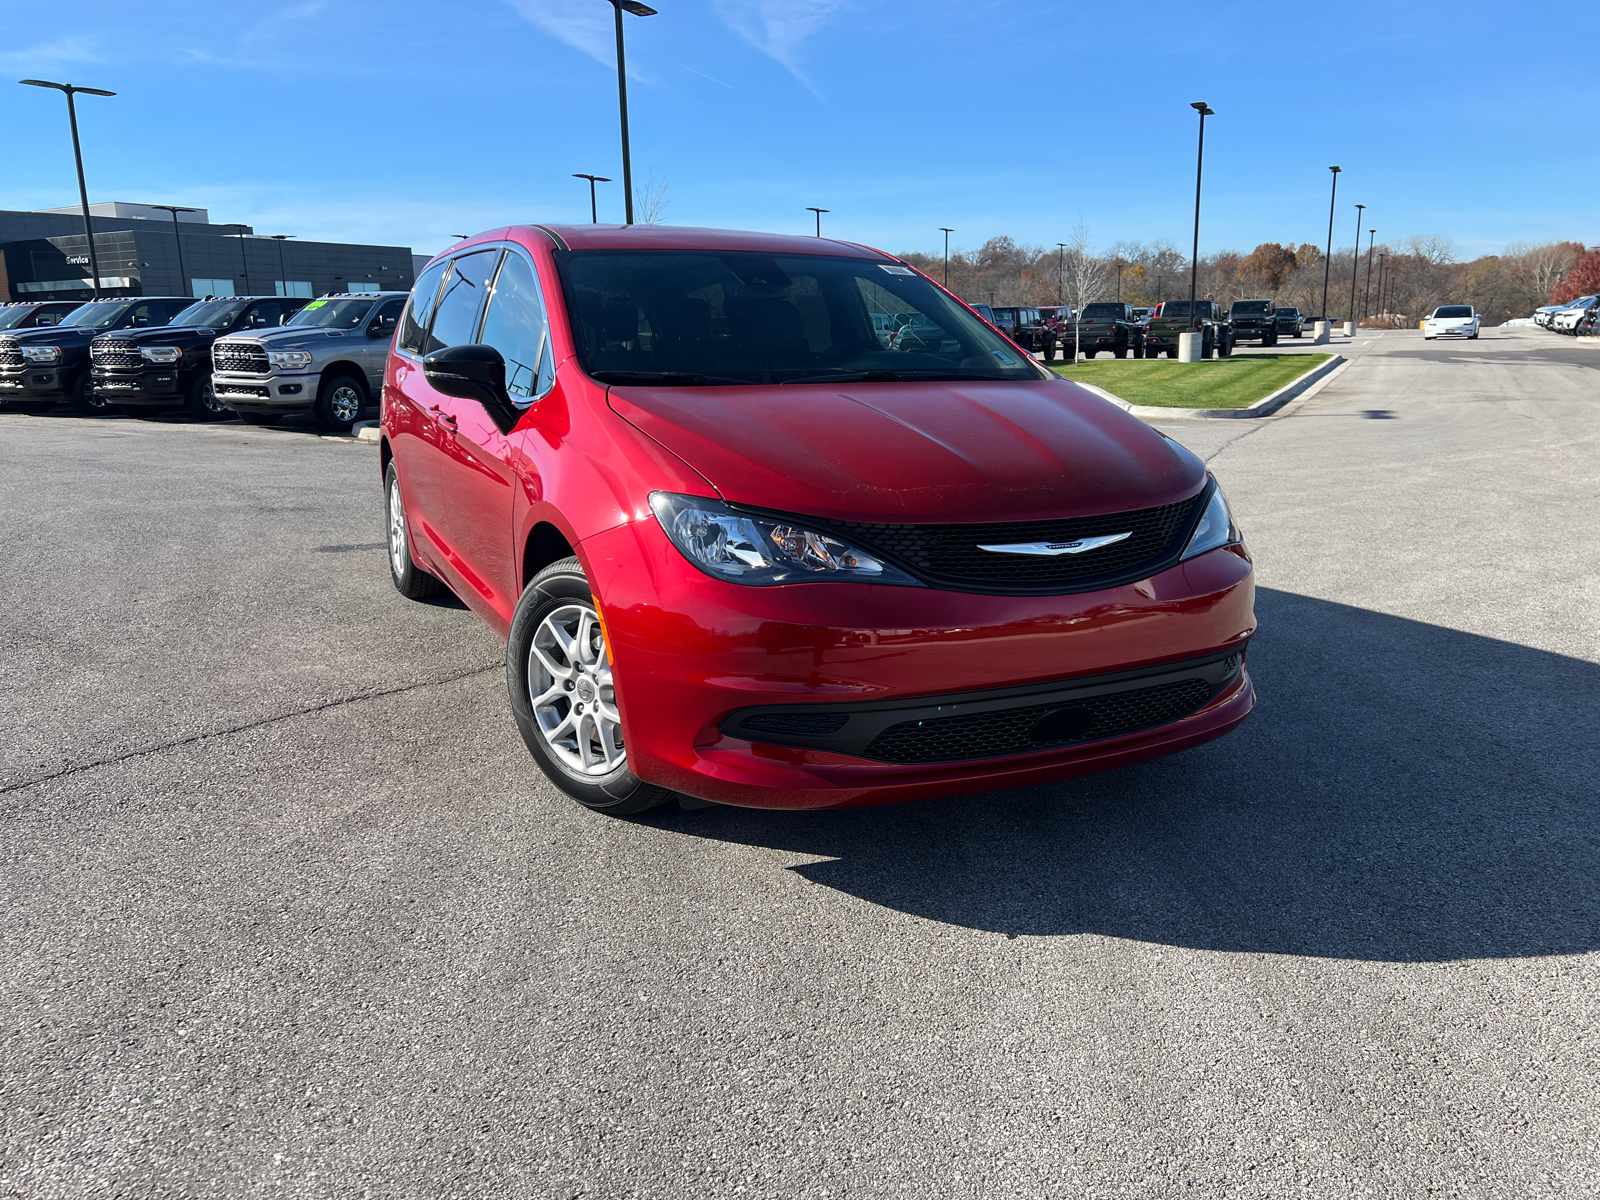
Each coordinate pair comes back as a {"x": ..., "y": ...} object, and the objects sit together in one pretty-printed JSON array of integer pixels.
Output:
[{"x": 44, "y": 255}]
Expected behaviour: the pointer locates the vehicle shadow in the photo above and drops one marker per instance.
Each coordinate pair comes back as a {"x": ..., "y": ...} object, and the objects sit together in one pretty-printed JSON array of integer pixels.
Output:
[{"x": 1402, "y": 793}]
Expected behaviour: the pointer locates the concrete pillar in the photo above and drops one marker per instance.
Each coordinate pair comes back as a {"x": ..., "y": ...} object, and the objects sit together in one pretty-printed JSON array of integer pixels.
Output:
[
  {"x": 1320, "y": 331},
  {"x": 1189, "y": 346},
  {"x": 1350, "y": 329}
]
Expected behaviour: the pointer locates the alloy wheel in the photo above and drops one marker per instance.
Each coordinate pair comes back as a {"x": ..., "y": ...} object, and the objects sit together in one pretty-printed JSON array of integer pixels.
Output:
[
  {"x": 570, "y": 685},
  {"x": 399, "y": 552},
  {"x": 209, "y": 401},
  {"x": 344, "y": 403}
]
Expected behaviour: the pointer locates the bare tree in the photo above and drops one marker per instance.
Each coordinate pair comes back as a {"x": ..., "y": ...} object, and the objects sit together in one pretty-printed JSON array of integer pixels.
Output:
[
  {"x": 1086, "y": 277},
  {"x": 653, "y": 199}
]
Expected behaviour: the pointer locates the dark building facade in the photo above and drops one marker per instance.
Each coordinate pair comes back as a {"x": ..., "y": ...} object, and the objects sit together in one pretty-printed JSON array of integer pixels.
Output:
[{"x": 45, "y": 256}]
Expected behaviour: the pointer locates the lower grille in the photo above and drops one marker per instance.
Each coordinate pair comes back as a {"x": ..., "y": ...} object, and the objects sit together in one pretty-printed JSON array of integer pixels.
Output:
[
  {"x": 114, "y": 353},
  {"x": 244, "y": 357},
  {"x": 801, "y": 723},
  {"x": 950, "y": 554},
  {"x": 10, "y": 355},
  {"x": 1037, "y": 726}
]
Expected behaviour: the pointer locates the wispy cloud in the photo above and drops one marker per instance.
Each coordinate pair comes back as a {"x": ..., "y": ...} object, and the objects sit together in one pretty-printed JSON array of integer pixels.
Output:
[
  {"x": 589, "y": 27},
  {"x": 703, "y": 75},
  {"x": 778, "y": 28},
  {"x": 62, "y": 50}
]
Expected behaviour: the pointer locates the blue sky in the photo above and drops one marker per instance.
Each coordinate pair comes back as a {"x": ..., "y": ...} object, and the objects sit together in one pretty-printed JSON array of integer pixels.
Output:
[{"x": 405, "y": 122}]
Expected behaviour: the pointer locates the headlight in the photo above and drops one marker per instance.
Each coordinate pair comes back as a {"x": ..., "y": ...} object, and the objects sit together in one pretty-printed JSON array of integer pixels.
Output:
[
  {"x": 41, "y": 354},
  {"x": 1216, "y": 527},
  {"x": 290, "y": 360},
  {"x": 764, "y": 551},
  {"x": 160, "y": 354}
]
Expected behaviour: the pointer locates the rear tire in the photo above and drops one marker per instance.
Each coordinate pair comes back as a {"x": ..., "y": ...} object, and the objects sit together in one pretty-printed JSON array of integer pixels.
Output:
[
  {"x": 410, "y": 580},
  {"x": 558, "y": 672},
  {"x": 339, "y": 403},
  {"x": 1120, "y": 350},
  {"x": 202, "y": 403}
]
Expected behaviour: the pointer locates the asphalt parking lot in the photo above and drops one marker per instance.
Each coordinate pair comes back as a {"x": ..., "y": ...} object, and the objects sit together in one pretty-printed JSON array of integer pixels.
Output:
[{"x": 287, "y": 911}]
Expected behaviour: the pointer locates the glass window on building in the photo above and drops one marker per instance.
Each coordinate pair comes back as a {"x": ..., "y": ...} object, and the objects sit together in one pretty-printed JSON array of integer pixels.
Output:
[
  {"x": 292, "y": 287},
  {"x": 363, "y": 287},
  {"x": 212, "y": 287}
]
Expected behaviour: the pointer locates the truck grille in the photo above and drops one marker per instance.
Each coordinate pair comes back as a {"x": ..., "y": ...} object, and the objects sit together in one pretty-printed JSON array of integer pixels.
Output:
[
  {"x": 10, "y": 355},
  {"x": 244, "y": 357},
  {"x": 1038, "y": 726},
  {"x": 949, "y": 554},
  {"x": 114, "y": 352}
]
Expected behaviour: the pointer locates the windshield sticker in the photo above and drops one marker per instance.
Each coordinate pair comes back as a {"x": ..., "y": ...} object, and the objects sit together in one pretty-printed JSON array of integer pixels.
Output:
[
  {"x": 896, "y": 270},
  {"x": 316, "y": 304},
  {"x": 1004, "y": 357}
]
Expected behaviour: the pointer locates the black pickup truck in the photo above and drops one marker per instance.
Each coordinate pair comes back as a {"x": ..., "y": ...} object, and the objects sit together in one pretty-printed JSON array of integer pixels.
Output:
[
  {"x": 1026, "y": 327},
  {"x": 153, "y": 369},
  {"x": 1172, "y": 319},
  {"x": 35, "y": 314},
  {"x": 1110, "y": 326},
  {"x": 51, "y": 365},
  {"x": 1255, "y": 321}
]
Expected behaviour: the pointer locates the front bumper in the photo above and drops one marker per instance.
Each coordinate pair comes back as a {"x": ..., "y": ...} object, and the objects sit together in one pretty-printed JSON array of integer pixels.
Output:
[
  {"x": 161, "y": 386},
  {"x": 264, "y": 393},
  {"x": 1254, "y": 332},
  {"x": 693, "y": 655},
  {"x": 33, "y": 383}
]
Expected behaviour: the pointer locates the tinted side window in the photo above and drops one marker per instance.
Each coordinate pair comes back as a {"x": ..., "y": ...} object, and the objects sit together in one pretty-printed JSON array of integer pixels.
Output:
[
  {"x": 415, "y": 326},
  {"x": 516, "y": 326},
  {"x": 455, "y": 323},
  {"x": 146, "y": 314},
  {"x": 267, "y": 314}
]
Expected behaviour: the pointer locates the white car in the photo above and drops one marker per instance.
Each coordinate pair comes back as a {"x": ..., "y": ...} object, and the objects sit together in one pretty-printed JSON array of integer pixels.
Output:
[
  {"x": 1565, "y": 319},
  {"x": 1542, "y": 316},
  {"x": 1451, "y": 320}
]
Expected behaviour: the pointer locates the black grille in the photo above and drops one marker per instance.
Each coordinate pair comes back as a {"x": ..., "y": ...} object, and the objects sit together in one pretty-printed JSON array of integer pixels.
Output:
[
  {"x": 796, "y": 723},
  {"x": 10, "y": 355},
  {"x": 114, "y": 352},
  {"x": 245, "y": 357},
  {"x": 1019, "y": 730},
  {"x": 949, "y": 553}
]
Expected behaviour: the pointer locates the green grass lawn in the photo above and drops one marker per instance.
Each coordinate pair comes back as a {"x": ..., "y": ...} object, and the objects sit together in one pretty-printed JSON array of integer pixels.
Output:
[{"x": 1215, "y": 383}]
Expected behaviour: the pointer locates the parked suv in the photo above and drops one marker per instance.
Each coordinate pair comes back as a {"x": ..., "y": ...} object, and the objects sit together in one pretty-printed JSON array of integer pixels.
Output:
[
  {"x": 328, "y": 358},
  {"x": 741, "y": 550},
  {"x": 35, "y": 314},
  {"x": 1172, "y": 319},
  {"x": 1026, "y": 327},
  {"x": 154, "y": 369},
  {"x": 1290, "y": 322},
  {"x": 1110, "y": 326},
  {"x": 51, "y": 365},
  {"x": 1254, "y": 321}
]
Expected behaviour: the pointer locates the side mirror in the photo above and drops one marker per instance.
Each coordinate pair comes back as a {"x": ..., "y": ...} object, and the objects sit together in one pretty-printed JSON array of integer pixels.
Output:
[
  {"x": 473, "y": 372},
  {"x": 382, "y": 327}
]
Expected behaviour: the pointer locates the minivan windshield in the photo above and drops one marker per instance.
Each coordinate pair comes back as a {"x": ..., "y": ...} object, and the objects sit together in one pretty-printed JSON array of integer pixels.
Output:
[
  {"x": 332, "y": 314},
  {"x": 1252, "y": 308},
  {"x": 699, "y": 317},
  {"x": 1453, "y": 310},
  {"x": 210, "y": 314},
  {"x": 97, "y": 314}
]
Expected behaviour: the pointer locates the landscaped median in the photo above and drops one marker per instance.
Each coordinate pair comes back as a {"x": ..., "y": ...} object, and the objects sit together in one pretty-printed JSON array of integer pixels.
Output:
[{"x": 1218, "y": 383}]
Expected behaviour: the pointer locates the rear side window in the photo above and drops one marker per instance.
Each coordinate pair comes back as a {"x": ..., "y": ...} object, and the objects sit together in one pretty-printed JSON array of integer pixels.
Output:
[
  {"x": 517, "y": 327},
  {"x": 415, "y": 326},
  {"x": 455, "y": 320}
]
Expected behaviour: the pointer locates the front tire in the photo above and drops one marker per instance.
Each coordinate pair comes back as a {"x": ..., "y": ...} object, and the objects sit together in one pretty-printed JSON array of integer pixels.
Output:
[
  {"x": 87, "y": 402},
  {"x": 558, "y": 671},
  {"x": 202, "y": 403},
  {"x": 339, "y": 403},
  {"x": 410, "y": 580}
]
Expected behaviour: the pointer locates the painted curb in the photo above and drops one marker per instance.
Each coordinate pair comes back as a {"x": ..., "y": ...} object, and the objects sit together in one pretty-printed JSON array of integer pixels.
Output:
[
  {"x": 365, "y": 431},
  {"x": 1263, "y": 407}
]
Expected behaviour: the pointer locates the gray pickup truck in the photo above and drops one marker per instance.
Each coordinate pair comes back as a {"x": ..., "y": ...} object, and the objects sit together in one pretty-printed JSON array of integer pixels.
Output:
[{"x": 328, "y": 358}]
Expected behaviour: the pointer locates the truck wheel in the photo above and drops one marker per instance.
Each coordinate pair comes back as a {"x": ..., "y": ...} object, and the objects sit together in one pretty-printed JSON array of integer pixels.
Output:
[
  {"x": 1224, "y": 348},
  {"x": 1050, "y": 349},
  {"x": 339, "y": 403},
  {"x": 87, "y": 402},
  {"x": 202, "y": 403},
  {"x": 1120, "y": 350}
]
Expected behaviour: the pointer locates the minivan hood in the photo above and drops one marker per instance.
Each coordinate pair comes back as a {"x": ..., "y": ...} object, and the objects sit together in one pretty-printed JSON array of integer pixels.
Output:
[{"x": 910, "y": 453}]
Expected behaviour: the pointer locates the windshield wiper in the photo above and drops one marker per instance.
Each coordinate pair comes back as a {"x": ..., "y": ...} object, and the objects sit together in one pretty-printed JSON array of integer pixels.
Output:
[
  {"x": 930, "y": 374},
  {"x": 667, "y": 378}
]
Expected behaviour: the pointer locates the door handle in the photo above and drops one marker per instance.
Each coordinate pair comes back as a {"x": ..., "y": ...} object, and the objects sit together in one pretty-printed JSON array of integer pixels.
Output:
[{"x": 445, "y": 419}]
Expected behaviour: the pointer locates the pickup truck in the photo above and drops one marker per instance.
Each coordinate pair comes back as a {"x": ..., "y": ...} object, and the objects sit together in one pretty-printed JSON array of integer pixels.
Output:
[
  {"x": 328, "y": 358},
  {"x": 151, "y": 370},
  {"x": 1110, "y": 326},
  {"x": 51, "y": 365},
  {"x": 1291, "y": 322},
  {"x": 1172, "y": 319},
  {"x": 1025, "y": 326},
  {"x": 1255, "y": 321},
  {"x": 35, "y": 314}
]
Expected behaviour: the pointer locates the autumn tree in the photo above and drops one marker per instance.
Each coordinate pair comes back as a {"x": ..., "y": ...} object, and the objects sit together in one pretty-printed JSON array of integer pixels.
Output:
[{"x": 1581, "y": 279}]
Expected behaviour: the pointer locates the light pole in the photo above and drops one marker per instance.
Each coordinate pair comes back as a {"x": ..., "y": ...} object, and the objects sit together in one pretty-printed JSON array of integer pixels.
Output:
[
  {"x": 1355, "y": 267},
  {"x": 243, "y": 261},
  {"x": 280, "y": 238},
  {"x": 1120, "y": 266},
  {"x": 183, "y": 276},
  {"x": 594, "y": 212},
  {"x": 947, "y": 233},
  {"x": 819, "y": 212},
  {"x": 1205, "y": 110},
  {"x": 638, "y": 10},
  {"x": 1327, "y": 262},
  {"x": 1366, "y": 292},
  {"x": 1382, "y": 259},
  {"x": 1061, "y": 273},
  {"x": 69, "y": 91}
]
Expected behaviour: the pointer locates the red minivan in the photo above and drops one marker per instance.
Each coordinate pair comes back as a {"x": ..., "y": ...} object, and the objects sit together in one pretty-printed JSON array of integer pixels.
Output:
[{"x": 779, "y": 522}]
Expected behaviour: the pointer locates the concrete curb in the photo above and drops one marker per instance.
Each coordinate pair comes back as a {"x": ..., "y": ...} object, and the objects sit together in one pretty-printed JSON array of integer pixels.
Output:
[
  {"x": 365, "y": 431},
  {"x": 1263, "y": 407}
]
